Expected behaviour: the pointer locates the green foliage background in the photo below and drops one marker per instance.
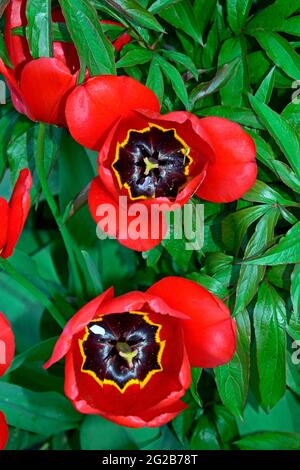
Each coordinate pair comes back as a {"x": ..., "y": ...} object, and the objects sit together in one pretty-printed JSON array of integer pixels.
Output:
[{"x": 237, "y": 59}]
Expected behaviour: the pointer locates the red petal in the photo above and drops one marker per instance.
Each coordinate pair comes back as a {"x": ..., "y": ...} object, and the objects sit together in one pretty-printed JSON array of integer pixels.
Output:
[
  {"x": 14, "y": 89},
  {"x": 210, "y": 333},
  {"x": 64, "y": 51},
  {"x": 147, "y": 419},
  {"x": 7, "y": 344},
  {"x": 121, "y": 41},
  {"x": 4, "y": 209},
  {"x": 45, "y": 85},
  {"x": 17, "y": 46},
  {"x": 94, "y": 107},
  {"x": 139, "y": 301},
  {"x": 18, "y": 211},
  {"x": 234, "y": 171},
  {"x": 77, "y": 323},
  {"x": 3, "y": 431},
  {"x": 152, "y": 229}
]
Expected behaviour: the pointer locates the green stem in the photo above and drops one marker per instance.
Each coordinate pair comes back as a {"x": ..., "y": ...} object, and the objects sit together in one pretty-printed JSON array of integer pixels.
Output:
[
  {"x": 36, "y": 293},
  {"x": 53, "y": 207}
]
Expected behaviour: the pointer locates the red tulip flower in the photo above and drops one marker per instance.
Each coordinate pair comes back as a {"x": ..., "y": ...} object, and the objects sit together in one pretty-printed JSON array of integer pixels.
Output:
[
  {"x": 13, "y": 214},
  {"x": 7, "y": 350},
  {"x": 154, "y": 159},
  {"x": 39, "y": 88},
  {"x": 128, "y": 358}
]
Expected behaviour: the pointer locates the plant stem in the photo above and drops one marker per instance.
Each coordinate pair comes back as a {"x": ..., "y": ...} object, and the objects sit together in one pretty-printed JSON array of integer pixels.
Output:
[
  {"x": 32, "y": 289},
  {"x": 53, "y": 207}
]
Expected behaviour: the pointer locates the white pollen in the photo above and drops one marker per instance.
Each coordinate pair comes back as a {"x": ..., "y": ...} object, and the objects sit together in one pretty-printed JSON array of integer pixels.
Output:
[{"x": 97, "y": 330}]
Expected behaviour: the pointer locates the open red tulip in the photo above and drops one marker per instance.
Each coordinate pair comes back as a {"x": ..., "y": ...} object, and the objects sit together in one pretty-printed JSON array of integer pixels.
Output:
[
  {"x": 39, "y": 88},
  {"x": 7, "y": 350},
  {"x": 13, "y": 214},
  {"x": 154, "y": 159},
  {"x": 128, "y": 358}
]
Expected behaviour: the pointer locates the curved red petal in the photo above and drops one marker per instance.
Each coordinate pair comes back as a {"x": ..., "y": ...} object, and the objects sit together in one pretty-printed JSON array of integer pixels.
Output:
[
  {"x": 45, "y": 85},
  {"x": 17, "y": 46},
  {"x": 139, "y": 301},
  {"x": 14, "y": 89},
  {"x": 234, "y": 171},
  {"x": 7, "y": 344},
  {"x": 19, "y": 206},
  {"x": 75, "y": 325},
  {"x": 4, "y": 210},
  {"x": 121, "y": 41},
  {"x": 134, "y": 225},
  {"x": 94, "y": 107},
  {"x": 3, "y": 431},
  {"x": 210, "y": 334}
]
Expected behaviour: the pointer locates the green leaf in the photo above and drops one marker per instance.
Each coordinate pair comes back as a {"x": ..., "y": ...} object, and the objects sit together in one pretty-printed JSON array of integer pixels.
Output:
[
  {"x": 270, "y": 441},
  {"x": 94, "y": 274},
  {"x": 280, "y": 52},
  {"x": 251, "y": 276},
  {"x": 286, "y": 174},
  {"x": 274, "y": 14},
  {"x": 182, "y": 424},
  {"x": 38, "y": 352},
  {"x": 261, "y": 192},
  {"x": 38, "y": 31},
  {"x": 269, "y": 325},
  {"x": 237, "y": 11},
  {"x": 233, "y": 378},
  {"x": 176, "y": 80},
  {"x": 291, "y": 112},
  {"x": 243, "y": 116},
  {"x": 44, "y": 413},
  {"x": 284, "y": 135},
  {"x": 160, "y": 5},
  {"x": 264, "y": 151},
  {"x": 203, "y": 12},
  {"x": 204, "y": 436},
  {"x": 295, "y": 290},
  {"x": 182, "y": 59},
  {"x": 265, "y": 90},
  {"x": 135, "y": 56},
  {"x": 211, "y": 284},
  {"x": 94, "y": 49},
  {"x": 223, "y": 75},
  {"x": 232, "y": 93},
  {"x": 225, "y": 424},
  {"x": 180, "y": 16},
  {"x": 133, "y": 10},
  {"x": 287, "y": 250},
  {"x": 196, "y": 374},
  {"x": 155, "y": 79},
  {"x": 235, "y": 225},
  {"x": 97, "y": 433}
]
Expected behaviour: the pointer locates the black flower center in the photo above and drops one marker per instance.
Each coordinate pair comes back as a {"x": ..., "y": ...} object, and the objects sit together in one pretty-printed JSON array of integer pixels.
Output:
[
  {"x": 153, "y": 162},
  {"x": 122, "y": 349}
]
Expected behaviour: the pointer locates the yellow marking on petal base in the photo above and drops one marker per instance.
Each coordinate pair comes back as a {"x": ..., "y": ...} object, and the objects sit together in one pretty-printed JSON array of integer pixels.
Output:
[
  {"x": 142, "y": 383},
  {"x": 185, "y": 151}
]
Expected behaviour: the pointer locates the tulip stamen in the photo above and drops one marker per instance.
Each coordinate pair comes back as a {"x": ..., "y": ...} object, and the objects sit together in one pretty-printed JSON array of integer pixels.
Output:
[
  {"x": 126, "y": 353},
  {"x": 149, "y": 166}
]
